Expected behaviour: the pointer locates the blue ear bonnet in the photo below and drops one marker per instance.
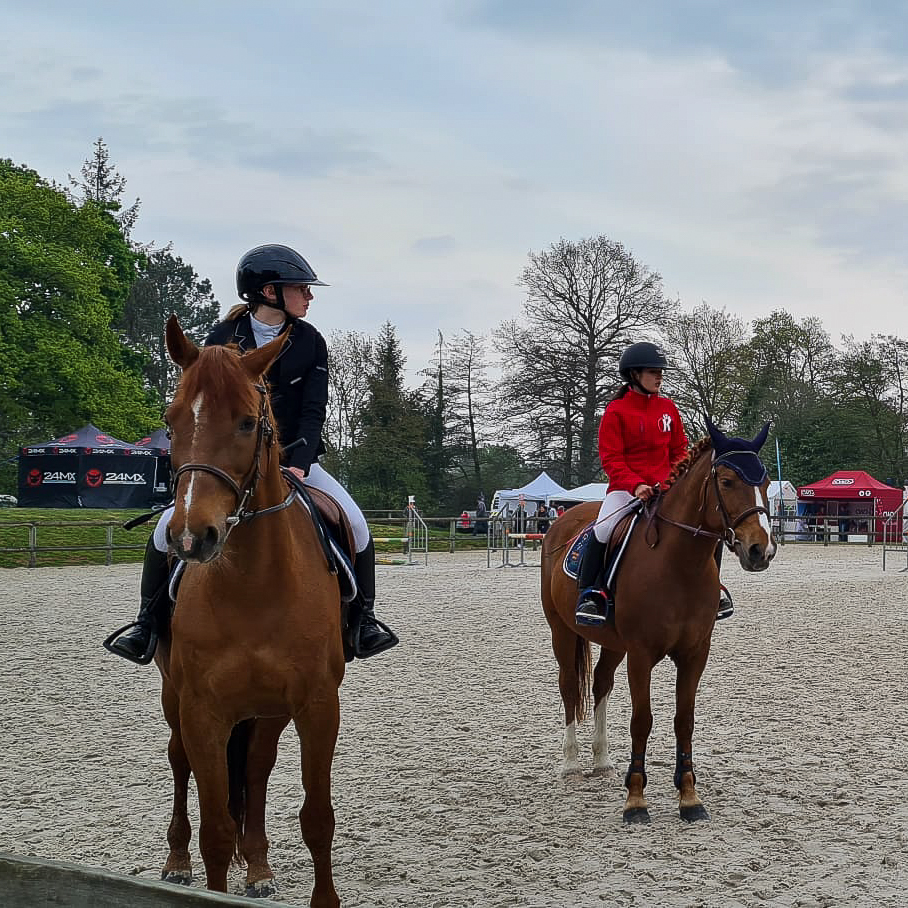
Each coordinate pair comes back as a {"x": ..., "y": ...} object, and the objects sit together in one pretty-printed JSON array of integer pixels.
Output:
[{"x": 740, "y": 454}]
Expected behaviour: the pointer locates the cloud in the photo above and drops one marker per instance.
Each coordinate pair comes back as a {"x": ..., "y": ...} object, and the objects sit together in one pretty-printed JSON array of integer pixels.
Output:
[{"x": 434, "y": 245}]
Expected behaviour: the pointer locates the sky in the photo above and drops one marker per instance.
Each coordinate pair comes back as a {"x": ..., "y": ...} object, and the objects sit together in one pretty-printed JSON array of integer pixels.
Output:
[{"x": 416, "y": 151}]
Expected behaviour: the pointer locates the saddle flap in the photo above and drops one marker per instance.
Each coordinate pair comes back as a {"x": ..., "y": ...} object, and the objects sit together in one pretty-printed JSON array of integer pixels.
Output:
[{"x": 335, "y": 518}]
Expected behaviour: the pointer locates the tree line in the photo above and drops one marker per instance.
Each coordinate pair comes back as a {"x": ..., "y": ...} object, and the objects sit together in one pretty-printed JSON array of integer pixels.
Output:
[{"x": 82, "y": 309}]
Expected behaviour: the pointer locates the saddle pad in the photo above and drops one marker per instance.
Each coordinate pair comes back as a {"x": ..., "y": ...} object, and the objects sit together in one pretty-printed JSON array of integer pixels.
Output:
[{"x": 574, "y": 555}]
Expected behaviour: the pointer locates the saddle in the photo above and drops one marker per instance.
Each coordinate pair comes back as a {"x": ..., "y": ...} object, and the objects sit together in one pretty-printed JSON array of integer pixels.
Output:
[{"x": 614, "y": 550}]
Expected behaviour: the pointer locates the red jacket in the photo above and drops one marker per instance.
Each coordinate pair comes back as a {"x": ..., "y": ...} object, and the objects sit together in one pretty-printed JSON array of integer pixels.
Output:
[{"x": 640, "y": 439}]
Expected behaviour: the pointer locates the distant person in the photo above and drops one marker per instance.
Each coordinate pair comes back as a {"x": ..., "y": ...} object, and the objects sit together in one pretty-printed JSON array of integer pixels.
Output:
[
  {"x": 481, "y": 524},
  {"x": 542, "y": 518}
]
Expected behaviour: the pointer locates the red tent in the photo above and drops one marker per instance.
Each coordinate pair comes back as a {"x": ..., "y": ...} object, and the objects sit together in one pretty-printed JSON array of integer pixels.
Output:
[{"x": 852, "y": 496}]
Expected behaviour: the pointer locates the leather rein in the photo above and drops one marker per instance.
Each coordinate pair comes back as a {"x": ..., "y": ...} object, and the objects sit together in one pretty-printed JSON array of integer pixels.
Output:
[
  {"x": 729, "y": 525},
  {"x": 245, "y": 492}
]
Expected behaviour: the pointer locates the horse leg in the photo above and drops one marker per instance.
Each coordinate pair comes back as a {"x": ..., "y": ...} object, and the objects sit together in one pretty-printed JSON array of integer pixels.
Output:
[
  {"x": 317, "y": 727},
  {"x": 639, "y": 675},
  {"x": 205, "y": 739},
  {"x": 178, "y": 867},
  {"x": 689, "y": 670},
  {"x": 603, "y": 682},
  {"x": 261, "y": 757},
  {"x": 572, "y": 653}
]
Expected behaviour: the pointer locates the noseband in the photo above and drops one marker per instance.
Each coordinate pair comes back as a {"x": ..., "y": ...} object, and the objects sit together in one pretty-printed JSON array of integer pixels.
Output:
[
  {"x": 245, "y": 492},
  {"x": 728, "y": 536}
]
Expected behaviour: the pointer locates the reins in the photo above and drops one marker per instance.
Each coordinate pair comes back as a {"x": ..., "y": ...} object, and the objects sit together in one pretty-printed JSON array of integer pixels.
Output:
[
  {"x": 245, "y": 492},
  {"x": 728, "y": 536}
]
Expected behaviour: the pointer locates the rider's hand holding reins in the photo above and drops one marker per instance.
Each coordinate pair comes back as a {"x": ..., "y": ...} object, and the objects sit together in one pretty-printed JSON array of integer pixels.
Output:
[{"x": 644, "y": 492}]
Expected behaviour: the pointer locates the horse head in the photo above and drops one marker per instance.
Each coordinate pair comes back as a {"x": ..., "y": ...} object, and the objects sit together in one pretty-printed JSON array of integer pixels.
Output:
[
  {"x": 222, "y": 435},
  {"x": 739, "y": 482}
]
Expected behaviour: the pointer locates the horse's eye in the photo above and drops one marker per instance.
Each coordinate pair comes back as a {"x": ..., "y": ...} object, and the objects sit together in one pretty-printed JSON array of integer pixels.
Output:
[
  {"x": 727, "y": 483},
  {"x": 247, "y": 425}
]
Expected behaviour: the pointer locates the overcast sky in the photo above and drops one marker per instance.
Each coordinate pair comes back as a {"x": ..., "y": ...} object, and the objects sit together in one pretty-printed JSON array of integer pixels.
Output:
[{"x": 414, "y": 151}]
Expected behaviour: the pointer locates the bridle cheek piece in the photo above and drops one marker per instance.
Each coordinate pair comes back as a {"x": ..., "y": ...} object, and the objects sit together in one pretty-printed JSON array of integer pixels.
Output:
[{"x": 245, "y": 492}]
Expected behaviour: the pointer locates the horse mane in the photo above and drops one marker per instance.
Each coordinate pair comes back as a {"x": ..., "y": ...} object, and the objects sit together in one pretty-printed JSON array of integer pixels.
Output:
[
  {"x": 219, "y": 374},
  {"x": 683, "y": 466}
]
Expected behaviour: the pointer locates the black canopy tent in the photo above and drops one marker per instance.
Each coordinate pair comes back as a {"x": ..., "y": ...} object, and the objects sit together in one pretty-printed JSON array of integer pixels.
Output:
[
  {"x": 159, "y": 444},
  {"x": 86, "y": 469}
]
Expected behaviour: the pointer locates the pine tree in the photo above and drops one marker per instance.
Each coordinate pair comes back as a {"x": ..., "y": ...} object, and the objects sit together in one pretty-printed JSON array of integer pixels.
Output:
[{"x": 102, "y": 185}]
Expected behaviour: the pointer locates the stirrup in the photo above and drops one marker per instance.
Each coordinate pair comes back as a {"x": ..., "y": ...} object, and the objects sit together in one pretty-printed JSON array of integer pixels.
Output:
[
  {"x": 392, "y": 640},
  {"x": 145, "y": 658},
  {"x": 599, "y": 600},
  {"x": 726, "y": 605}
]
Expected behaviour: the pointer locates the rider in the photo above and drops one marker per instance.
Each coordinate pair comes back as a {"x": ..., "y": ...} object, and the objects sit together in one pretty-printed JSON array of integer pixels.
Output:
[
  {"x": 275, "y": 284},
  {"x": 641, "y": 438}
]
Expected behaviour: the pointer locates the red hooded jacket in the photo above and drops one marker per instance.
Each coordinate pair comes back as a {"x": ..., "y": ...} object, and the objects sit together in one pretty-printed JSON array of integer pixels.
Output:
[{"x": 640, "y": 439}]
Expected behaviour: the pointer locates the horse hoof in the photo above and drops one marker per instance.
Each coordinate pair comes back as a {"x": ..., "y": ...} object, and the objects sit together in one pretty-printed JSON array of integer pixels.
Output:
[
  {"x": 179, "y": 877},
  {"x": 262, "y": 889},
  {"x": 693, "y": 813},
  {"x": 636, "y": 815}
]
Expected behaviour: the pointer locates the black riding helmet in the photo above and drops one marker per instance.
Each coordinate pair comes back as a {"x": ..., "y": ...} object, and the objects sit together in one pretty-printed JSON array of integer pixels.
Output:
[
  {"x": 642, "y": 355},
  {"x": 272, "y": 264}
]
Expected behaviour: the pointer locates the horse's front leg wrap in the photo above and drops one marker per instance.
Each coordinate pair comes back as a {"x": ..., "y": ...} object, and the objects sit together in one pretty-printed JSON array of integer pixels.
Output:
[
  {"x": 683, "y": 763},
  {"x": 637, "y": 764}
]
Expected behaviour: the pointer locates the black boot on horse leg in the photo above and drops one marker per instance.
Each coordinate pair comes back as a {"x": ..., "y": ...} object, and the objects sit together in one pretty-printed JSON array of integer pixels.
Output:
[
  {"x": 137, "y": 641},
  {"x": 373, "y": 636},
  {"x": 726, "y": 606},
  {"x": 595, "y": 604}
]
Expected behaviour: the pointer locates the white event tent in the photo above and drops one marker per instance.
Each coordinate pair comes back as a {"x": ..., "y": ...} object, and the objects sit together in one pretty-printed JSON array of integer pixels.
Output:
[
  {"x": 542, "y": 488},
  {"x": 592, "y": 491}
]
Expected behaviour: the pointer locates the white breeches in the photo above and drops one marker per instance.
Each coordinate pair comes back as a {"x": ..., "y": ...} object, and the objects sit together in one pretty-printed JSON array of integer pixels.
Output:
[
  {"x": 614, "y": 506},
  {"x": 318, "y": 478}
]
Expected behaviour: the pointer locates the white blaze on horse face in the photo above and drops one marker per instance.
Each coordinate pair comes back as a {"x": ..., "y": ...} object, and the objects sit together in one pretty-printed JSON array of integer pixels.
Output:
[
  {"x": 197, "y": 422},
  {"x": 764, "y": 521},
  {"x": 571, "y": 752}
]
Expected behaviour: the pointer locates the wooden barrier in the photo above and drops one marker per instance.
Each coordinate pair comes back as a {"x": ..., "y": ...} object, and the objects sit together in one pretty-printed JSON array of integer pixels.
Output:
[{"x": 36, "y": 883}]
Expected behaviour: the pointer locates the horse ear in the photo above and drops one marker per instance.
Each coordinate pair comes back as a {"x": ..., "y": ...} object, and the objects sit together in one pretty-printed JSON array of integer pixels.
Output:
[
  {"x": 760, "y": 440},
  {"x": 181, "y": 349},
  {"x": 257, "y": 362},
  {"x": 714, "y": 433}
]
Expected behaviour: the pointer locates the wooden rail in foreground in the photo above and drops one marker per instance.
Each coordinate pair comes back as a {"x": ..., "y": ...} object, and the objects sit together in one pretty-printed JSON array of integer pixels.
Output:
[{"x": 36, "y": 883}]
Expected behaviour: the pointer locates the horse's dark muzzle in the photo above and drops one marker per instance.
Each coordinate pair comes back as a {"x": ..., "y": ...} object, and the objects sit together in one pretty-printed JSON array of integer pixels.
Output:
[{"x": 201, "y": 548}]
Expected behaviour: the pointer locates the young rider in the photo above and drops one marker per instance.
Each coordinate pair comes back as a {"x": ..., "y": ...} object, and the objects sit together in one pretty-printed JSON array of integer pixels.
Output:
[
  {"x": 275, "y": 284},
  {"x": 641, "y": 438}
]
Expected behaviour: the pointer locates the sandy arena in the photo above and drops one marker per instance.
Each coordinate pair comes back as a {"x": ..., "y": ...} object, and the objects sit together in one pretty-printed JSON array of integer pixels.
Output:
[{"x": 445, "y": 780}]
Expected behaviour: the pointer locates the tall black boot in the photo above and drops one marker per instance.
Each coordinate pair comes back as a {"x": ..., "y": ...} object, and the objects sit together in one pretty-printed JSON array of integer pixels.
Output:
[
  {"x": 137, "y": 641},
  {"x": 726, "y": 606},
  {"x": 595, "y": 605},
  {"x": 374, "y": 636}
]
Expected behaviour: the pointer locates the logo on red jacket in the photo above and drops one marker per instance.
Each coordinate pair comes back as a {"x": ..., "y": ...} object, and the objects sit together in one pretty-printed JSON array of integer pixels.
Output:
[{"x": 666, "y": 422}]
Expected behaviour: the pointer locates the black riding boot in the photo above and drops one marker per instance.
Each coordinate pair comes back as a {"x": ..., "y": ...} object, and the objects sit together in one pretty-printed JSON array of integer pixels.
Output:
[
  {"x": 137, "y": 641},
  {"x": 374, "y": 636},
  {"x": 595, "y": 604},
  {"x": 726, "y": 606}
]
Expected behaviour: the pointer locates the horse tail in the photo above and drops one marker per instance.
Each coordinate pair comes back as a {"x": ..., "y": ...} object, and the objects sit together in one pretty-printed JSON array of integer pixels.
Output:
[
  {"x": 583, "y": 665},
  {"x": 237, "y": 754}
]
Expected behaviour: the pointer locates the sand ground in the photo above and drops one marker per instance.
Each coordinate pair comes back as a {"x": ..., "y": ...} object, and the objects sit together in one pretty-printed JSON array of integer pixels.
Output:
[{"x": 445, "y": 783}]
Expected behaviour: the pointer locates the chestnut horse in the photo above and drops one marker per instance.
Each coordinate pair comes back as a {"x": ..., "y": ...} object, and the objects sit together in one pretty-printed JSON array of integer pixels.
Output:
[
  {"x": 255, "y": 638},
  {"x": 666, "y": 596}
]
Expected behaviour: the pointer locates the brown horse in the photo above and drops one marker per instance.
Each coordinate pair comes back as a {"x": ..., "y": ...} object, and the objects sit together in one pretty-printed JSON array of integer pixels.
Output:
[
  {"x": 665, "y": 604},
  {"x": 255, "y": 639}
]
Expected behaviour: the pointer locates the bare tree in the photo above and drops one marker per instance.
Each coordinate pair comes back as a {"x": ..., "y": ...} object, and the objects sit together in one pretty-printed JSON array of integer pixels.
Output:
[
  {"x": 350, "y": 358},
  {"x": 705, "y": 347},
  {"x": 585, "y": 301},
  {"x": 470, "y": 400}
]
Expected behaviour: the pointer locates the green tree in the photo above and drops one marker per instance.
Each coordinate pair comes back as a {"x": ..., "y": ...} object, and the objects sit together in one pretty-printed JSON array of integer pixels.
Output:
[
  {"x": 65, "y": 271},
  {"x": 388, "y": 465},
  {"x": 165, "y": 286}
]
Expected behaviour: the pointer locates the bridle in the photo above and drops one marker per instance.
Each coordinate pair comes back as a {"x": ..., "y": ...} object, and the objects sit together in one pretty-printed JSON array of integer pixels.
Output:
[
  {"x": 245, "y": 492},
  {"x": 728, "y": 536}
]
